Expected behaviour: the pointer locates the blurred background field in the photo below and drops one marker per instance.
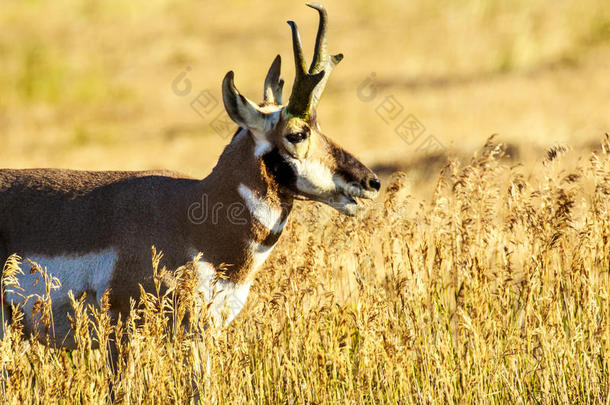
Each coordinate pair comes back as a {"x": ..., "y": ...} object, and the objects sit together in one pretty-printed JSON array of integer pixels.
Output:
[{"x": 88, "y": 84}]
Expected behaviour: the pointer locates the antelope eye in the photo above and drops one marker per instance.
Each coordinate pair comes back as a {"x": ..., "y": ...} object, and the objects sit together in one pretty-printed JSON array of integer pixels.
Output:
[{"x": 296, "y": 137}]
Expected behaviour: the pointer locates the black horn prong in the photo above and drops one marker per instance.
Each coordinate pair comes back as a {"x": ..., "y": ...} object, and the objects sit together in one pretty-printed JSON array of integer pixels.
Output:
[
  {"x": 320, "y": 51},
  {"x": 303, "y": 88},
  {"x": 308, "y": 85},
  {"x": 335, "y": 59},
  {"x": 297, "y": 48}
]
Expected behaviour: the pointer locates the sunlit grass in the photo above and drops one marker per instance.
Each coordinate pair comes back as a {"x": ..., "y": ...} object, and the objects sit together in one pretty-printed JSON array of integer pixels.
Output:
[{"x": 497, "y": 290}]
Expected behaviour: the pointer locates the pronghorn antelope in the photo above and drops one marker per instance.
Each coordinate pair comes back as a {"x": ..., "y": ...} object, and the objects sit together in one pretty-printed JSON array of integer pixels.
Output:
[{"x": 94, "y": 230}]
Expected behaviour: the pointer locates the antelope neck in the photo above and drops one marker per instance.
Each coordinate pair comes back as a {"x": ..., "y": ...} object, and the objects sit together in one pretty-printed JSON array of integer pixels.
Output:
[{"x": 243, "y": 210}]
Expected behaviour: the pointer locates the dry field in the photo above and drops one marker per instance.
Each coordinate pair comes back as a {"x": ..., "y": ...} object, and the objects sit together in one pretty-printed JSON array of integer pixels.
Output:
[{"x": 480, "y": 275}]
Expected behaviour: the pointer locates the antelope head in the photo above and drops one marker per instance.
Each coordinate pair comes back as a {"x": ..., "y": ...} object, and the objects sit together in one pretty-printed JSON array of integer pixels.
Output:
[{"x": 288, "y": 138}]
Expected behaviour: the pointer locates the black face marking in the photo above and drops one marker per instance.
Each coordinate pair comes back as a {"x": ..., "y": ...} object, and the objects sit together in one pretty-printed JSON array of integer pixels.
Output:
[
  {"x": 281, "y": 170},
  {"x": 348, "y": 167}
]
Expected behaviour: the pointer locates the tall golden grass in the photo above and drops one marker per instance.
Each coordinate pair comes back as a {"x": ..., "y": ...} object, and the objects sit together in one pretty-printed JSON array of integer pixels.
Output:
[{"x": 494, "y": 290}]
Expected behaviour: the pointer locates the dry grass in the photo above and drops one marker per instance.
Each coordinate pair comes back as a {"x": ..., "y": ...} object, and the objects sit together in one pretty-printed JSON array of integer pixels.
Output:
[{"x": 497, "y": 290}]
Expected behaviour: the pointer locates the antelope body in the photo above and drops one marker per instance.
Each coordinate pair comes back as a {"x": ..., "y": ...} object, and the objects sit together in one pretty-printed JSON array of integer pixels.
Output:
[{"x": 94, "y": 230}]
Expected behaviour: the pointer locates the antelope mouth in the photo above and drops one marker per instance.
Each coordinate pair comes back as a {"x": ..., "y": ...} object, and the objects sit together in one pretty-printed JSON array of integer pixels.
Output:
[
  {"x": 347, "y": 203},
  {"x": 350, "y": 203}
]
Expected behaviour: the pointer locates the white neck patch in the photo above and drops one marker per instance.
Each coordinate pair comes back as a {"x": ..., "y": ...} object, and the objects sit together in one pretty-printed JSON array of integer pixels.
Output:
[
  {"x": 259, "y": 254},
  {"x": 224, "y": 297},
  {"x": 262, "y": 147},
  {"x": 268, "y": 216}
]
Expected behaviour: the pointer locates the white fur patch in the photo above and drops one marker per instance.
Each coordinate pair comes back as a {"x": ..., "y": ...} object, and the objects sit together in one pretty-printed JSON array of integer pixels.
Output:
[
  {"x": 268, "y": 216},
  {"x": 259, "y": 254},
  {"x": 270, "y": 108},
  {"x": 280, "y": 227},
  {"x": 226, "y": 297},
  {"x": 262, "y": 147},
  {"x": 313, "y": 176},
  {"x": 261, "y": 144},
  {"x": 260, "y": 135},
  {"x": 89, "y": 273}
]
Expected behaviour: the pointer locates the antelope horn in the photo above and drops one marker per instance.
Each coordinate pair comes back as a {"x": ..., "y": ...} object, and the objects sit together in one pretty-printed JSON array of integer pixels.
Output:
[
  {"x": 321, "y": 60},
  {"x": 304, "y": 84},
  {"x": 308, "y": 85}
]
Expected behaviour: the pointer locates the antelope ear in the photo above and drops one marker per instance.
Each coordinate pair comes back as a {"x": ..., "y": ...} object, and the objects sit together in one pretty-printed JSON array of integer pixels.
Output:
[
  {"x": 273, "y": 83},
  {"x": 242, "y": 111}
]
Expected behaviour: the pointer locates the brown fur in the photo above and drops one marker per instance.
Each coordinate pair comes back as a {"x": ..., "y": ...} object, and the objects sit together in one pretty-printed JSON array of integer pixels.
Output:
[{"x": 65, "y": 212}]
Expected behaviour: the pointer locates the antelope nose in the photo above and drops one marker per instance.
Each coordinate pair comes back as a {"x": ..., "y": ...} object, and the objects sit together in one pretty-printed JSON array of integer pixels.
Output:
[{"x": 374, "y": 183}]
